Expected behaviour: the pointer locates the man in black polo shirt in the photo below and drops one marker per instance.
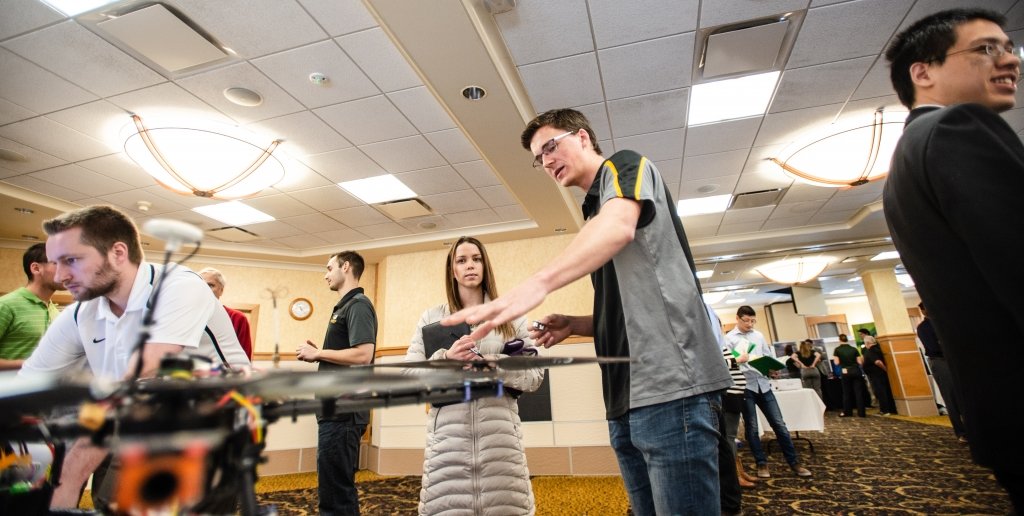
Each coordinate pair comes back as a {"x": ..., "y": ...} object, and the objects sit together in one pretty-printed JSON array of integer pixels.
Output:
[{"x": 350, "y": 340}]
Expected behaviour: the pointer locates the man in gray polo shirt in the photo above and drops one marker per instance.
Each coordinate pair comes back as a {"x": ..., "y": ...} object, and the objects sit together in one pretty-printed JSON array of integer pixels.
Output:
[{"x": 663, "y": 408}]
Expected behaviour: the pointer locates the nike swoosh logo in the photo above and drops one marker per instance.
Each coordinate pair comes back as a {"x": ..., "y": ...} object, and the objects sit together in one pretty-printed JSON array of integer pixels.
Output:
[{"x": 96, "y": 341}]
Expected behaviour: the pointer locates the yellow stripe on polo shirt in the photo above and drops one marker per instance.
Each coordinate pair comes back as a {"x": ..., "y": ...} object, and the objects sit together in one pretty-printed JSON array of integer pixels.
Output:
[
  {"x": 639, "y": 177},
  {"x": 615, "y": 177}
]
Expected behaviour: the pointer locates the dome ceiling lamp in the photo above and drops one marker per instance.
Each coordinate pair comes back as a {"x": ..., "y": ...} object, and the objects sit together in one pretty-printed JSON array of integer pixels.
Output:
[
  {"x": 793, "y": 271},
  {"x": 214, "y": 161},
  {"x": 846, "y": 154}
]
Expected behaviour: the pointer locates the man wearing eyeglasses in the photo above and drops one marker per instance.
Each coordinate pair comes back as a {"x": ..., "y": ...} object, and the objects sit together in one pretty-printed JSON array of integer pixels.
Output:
[
  {"x": 951, "y": 202},
  {"x": 663, "y": 408}
]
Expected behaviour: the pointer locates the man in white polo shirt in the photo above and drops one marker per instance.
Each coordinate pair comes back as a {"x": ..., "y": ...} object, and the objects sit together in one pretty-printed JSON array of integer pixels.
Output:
[{"x": 99, "y": 261}]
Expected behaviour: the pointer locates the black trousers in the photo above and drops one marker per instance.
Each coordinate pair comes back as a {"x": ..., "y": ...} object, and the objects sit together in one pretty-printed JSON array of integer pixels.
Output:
[
  {"x": 337, "y": 458},
  {"x": 880, "y": 384},
  {"x": 728, "y": 478},
  {"x": 853, "y": 390}
]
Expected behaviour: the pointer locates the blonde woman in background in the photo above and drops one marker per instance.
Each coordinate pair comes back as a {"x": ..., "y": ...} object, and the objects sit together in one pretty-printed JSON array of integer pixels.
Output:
[
  {"x": 807, "y": 360},
  {"x": 474, "y": 461}
]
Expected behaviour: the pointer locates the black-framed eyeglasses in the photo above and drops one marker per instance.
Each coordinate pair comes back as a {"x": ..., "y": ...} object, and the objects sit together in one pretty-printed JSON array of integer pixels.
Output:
[
  {"x": 548, "y": 147},
  {"x": 994, "y": 50}
]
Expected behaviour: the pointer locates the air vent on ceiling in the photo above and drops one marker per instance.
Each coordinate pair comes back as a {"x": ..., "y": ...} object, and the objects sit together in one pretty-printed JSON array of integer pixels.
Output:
[
  {"x": 747, "y": 47},
  {"x": 757, "y": 199},
  {"x": 406, "y": 209},
  {"x": 164, "y": 38},
  {"x": 233, "y": 234}
]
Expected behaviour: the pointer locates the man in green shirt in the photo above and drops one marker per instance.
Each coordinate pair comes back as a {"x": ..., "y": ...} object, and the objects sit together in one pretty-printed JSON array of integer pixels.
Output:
[{"x": 26, "y": 312}]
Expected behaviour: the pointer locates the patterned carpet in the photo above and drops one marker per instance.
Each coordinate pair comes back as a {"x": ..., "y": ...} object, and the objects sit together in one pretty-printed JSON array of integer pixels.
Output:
[{"x": 874, "y": 465}]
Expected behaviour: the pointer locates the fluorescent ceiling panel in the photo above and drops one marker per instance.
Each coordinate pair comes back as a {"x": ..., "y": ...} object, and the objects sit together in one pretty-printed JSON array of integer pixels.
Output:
[
  {"x": 233, "y": 213},
  {"x": 732, "y": 98},
  {"x": 73, "y": 8},
  {"x": 702, "y": 205},
  {"x": 377, "y": 189},
  {"x": 705, "y": 274},
  {"x": 887, "y": 255}
]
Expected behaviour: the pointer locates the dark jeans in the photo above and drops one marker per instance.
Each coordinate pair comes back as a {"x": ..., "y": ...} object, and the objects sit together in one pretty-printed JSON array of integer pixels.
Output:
[
  {"x": 337, "y": 458},
  {"x": 728, "y": 477},
  {"x": 770, "y": 408},
  {"x": 880, "y": 384},
  {"x": 853, "y": 390}
]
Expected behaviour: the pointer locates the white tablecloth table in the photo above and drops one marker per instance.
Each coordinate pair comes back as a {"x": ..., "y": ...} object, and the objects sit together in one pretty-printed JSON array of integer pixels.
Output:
[{"x": 802, "y": 410}]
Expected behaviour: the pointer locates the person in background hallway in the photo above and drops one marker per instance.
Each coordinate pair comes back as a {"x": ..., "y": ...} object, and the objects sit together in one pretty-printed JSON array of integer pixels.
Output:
[
  {"x": 943, "y": 378},
  {"x": 849, "y": 361},
  {"x": 870, "y": 398},
  {"x": 216, "y": 281},
  {"x": 350, "y": 340},
  {"x": 474, "y": 458},
  {"x": 952, "y": 202},
  {"x": 878, "y": 375},
  {"x": 25, "y": 313},
  {"x": 748, "y": 342},
  {"x": 792, "y": 368},
  {"x": 99, "y": 260},
  {"x": 808, "y": 360},
  {"x": 647, "y": 307}
]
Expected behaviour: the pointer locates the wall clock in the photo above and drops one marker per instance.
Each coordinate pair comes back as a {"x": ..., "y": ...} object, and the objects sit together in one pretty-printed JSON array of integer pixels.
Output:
[{"x": 300, "y": 309}]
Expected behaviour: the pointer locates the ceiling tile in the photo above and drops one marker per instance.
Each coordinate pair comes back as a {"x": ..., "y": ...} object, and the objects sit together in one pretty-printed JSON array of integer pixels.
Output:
[
  {"x": 273, "y": 229},
  {"x": 36, "y": 89},
  {"x": 785, "y": 223},
  {"x": 358, "y": 216},
  {"x": 568, "y": 81},
  {"x": 302, "y": 241},
  {"x": 279, "y": 206},
  {"x": 597, "y": 115},
  {"x": 36, "y": 160},
  {"x": 714, "y": 165},
  {"x": 210, "y": 86},
  {"x": 707, "y": 186},
  {"x": 721, "y": 136},
  {"x": 426, "y": 224},
  {"x": 25, "y": 15},
  {"x": 658, "y": 146},
  {"x": 670, "y": 170},
  {"x": 367, "y": 120},
  {"x": 55, "y": 139},
  {"x": 313, "y": 222},
  {"x": 453, "y": 145},
  {"x": 801, "y": 192},
  {"x": 99, "y": 120},
  {"x": 738, "y": 229},
  {"x": 648, "y": 113},
  {"x": 473, "y": 218},
  {"x": 188, "y": 216},
  {"x": 74, "y": 53},
  {"x": 11, "y": 112},
  {"x": 496, "y": 195},
  {"x": 167, "y": 99},
  {"x": 819, "y": 85},
  {"x": 454, "y": 202},
  {"x": 876, "y": 82},
  {"x": 618, "y": 23},
  {"x": 816, "y": 43},
  {"x": 865, "y": 108},
  {"x": 291, "y": 70},
  {"x": 387, "y": 230},
  {"x": 782, "y": 128},
  {"x": 45, "y": 187},
  {"x": 1015, "y": 17},
  {"x": 127, "y": 201},
  {"x": 762, "y": 178},
  {"x": 663, "y": 64},
  {"x": 339, "y": 17},
  {"x": 826, "y": 216},
  {"x": 343, "y": 165},
  {"x": 850, "y": 200},
  {"x": 404, "y": 154},
  {"x": 305, "y": 134},
  {"x": 185, "y": 200},
  {"x": 697, "y": 221},
  {"x": 254, "y": 28},
  {"x": 479, "y": 173},
  {"x": 752, "y": 217},
  {"x": 118, "y": 166},
  {"x": 326, "y": 198},
  {"x": 703, "y": 232},
  {"x": 721, "y": 12},
  {"x": 341, "y": 236},
  {"x": 300, "y": 177},
  {"x": 922, "y": 9},
  {"x": 804, "y": 209},
  {"x": 422, "y": 109},
  {"x": 511, "y": 213},
  {"x": 82, "y": 180},
  {"x": 378, "y": 57},
  {"x": 435, "y": 180},
  {"x": 539, "y": 31}
]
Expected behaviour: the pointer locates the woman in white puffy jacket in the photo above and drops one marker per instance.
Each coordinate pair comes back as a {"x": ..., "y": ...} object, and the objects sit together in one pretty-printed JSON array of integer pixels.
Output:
[{"x": 474, "y": 461}]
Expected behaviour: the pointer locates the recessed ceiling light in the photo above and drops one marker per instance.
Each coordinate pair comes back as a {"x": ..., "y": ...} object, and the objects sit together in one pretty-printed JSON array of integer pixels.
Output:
[
  {"x": 560, "y": 230},
  {"x": 706, "y": 189},
  {"x": 24, "y": 211},
  {"x": 736, "y": 301},
  {"x": 854, "y": 279},
  {"x": 73, "y": 8},
  {"x": 732, "y": 98},
  {"x": 233, "y": 213},
  {"x": 9, "y": 155},
  {"x": 905, "y": 280},
  {"x": 841, "y": 291},
  {"x": 427, "y": 225},
  {"x": 704, "y": 274},
  {"x": 474, "y": 92},
  {"x": 377, "y": 189},
  {"x": 702, "y": 205},
  {"x": 243, "y": 97},
  {"x": 887, "y": 255}
]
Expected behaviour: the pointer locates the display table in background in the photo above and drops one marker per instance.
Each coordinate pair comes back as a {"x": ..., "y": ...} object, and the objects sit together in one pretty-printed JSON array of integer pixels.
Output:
[{"x": 802, "y": 410}]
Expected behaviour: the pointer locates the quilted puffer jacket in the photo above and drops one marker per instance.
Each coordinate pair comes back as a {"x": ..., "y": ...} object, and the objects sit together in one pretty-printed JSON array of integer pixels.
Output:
[{"x": 474, "y": 463}]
